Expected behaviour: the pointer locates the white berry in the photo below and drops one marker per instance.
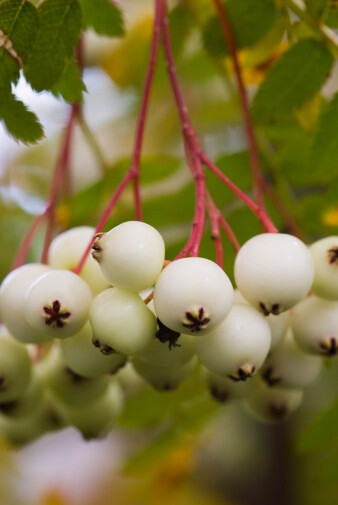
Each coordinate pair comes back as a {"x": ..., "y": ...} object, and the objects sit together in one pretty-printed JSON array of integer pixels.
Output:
[
  {"x": 66, "y": 251},
  {"x": 224, "y": 389},
  {"x": 12, "y": 302},
  {"x": 82, "y": 356},
  {"x": 278, "y": 324},
  {"x": 272, "y": 404},
  {"x": 121, "y": 321},
  {"x": 192, "y": 295},
  {"x": 325, "y": 256},
  {"x": 274, "y": 271},
  {"x": 288, "y": 366},
  {"x": 163, "y": 378},
  {"x": 315, "y": 326},
  {"x": 58, "y": 303},
  {"x": 131, "y": 255},
  {"x": 238, "y": 347}
]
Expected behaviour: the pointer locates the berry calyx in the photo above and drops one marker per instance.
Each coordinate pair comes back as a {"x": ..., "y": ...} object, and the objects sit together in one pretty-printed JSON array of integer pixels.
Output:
[
  {"x": 192, "y": 295},
  {"x": 274, "y": 271}
]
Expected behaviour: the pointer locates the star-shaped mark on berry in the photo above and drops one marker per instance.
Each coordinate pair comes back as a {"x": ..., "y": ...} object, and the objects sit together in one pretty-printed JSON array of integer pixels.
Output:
[
  {"x": 269, "y": 377},
  {"x": 329, "y": 346},
  {"x": 333, "y": 255},
  {"x": 54, "y": 315},
  {"x": 196, "y": 320}
]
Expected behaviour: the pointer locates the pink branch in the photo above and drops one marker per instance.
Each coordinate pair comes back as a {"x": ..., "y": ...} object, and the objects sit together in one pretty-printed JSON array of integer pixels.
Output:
[
  {"x": 113, "y": 201},
  {"x": 59, "y": 173},
  {"x": 214, "y": 216},
  {"x": 134, "y": 170},
  {"x": 227, "y": 30},
  {"x": 256, "y": 209},
  {"x": 191, "y": 149},
  {"x": 139, "y": 134},
  {"x": 230, "y": 233}
]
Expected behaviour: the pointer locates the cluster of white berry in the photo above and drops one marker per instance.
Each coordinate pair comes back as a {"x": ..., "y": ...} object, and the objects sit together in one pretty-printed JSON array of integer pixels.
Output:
[{"x": 90, "y": 330}]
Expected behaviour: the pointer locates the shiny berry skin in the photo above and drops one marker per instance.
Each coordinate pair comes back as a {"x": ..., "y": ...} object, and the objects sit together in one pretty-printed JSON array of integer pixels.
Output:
[
  {"x": 315, "y": 326},
  {"x": 274, "y": 271},
  {"x": 58, "y": 303},
  {"x": 121, "y": 321},
  {"x": 131, "y": 255},
  {"x": 325, "y": 256},
  {"x": 192, "y": 296},
  {"x": 12, "y": 303},
  {"x": 66, "y": 250},
  {"x": 238, "y": 347}
]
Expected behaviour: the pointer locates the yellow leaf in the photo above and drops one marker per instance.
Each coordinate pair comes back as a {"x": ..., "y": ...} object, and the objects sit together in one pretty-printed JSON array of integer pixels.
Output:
[
  {"x": 330, "y": 217},
  {"x": 126, "y": 62},
  {"x": 308, "y": 114}
]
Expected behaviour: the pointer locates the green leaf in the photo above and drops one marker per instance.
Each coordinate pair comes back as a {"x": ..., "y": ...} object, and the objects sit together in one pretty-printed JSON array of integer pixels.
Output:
[
  {"x": 250, "y": 20},
  {"x": 321, "y": 432},
  {"x": 58, "y": 34},
  {"x": 103, "y": 16},
  {"x": 295, "y": 78},
  {"x": 9, "y": 71},
  {"x": 317, "y": 8},
  {"x": 18, "y": 24},
  {"x": 70, "y": 86},
  {"x": 324, "y": 152},
  {"x": 20, "y": 122}
]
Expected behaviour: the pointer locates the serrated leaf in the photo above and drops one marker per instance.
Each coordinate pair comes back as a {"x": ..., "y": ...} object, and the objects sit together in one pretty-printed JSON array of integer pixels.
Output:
[
  {"x": 250, "y": 20},
  {"x": 9, "y": 71},
  {"x": 324, "y": 152},
  {"x": 18, "y": 26},
  {"x": 20, "y": 122},
  {"x": 19, "y": 21},
  {"x": 296, "y": 77},
  {"x": 103, "y": 16},
  {"x": 70, "y": 86},
  {"x": 58, "y": 34}
]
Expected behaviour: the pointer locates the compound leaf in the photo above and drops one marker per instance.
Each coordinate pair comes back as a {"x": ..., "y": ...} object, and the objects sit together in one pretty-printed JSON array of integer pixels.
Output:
[
  {"x": 18, "y": 27},
  {"x": 60, "y": 26},
  {"x": 295, "y": 78},
  {"x": 70, "y": 86},
  {"x": 250, "y": 20},
  {"x": 20, "y": 122},
  {"x": 103, "y": 16}
]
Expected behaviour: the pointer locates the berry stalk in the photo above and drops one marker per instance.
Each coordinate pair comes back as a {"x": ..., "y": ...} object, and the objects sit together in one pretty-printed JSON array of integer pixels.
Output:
[
  {"x": 139, "y": 134},
  {"x": 59, "y": 174},
  {"x": 258, "y": 183},
  {"x": 214, "y": 218},
  {"x": 256, "y": 209}
]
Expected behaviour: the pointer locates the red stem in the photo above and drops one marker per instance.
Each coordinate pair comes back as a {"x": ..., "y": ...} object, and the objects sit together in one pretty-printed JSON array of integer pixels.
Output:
[
  {"x": 134, "y": 170},
  {"x": 191, "y": 148},
  {"x": 230, "y": 233},
  {"x": 113, "y": 201},
  {"x": 59, "y": 173},
  {"x": 214, "y": 216},
  {"x": 139, "y": 134},
  {"x": 256, "y": 209},
  {"x": 27, "y": 241},
  {"x": 228, "y": 33}
]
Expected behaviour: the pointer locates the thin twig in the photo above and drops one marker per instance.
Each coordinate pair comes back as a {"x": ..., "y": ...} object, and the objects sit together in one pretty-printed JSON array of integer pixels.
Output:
[
  {"x": 229, "y": 37},
  {"x": 214, "y": 216},
  {"x": 134, "y": 171}
]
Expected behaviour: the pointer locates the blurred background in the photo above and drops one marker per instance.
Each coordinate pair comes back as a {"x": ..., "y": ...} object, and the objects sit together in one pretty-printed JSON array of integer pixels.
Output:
[{"x": 179, "y": 447}]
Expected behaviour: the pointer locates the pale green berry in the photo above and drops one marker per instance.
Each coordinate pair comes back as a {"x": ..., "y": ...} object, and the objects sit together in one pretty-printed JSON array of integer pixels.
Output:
[{"x": 121, "y": 321}]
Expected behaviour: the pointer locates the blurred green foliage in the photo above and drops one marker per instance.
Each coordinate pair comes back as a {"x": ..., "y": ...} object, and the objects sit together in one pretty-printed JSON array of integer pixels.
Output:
[{"x": 295, "y": 110}]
